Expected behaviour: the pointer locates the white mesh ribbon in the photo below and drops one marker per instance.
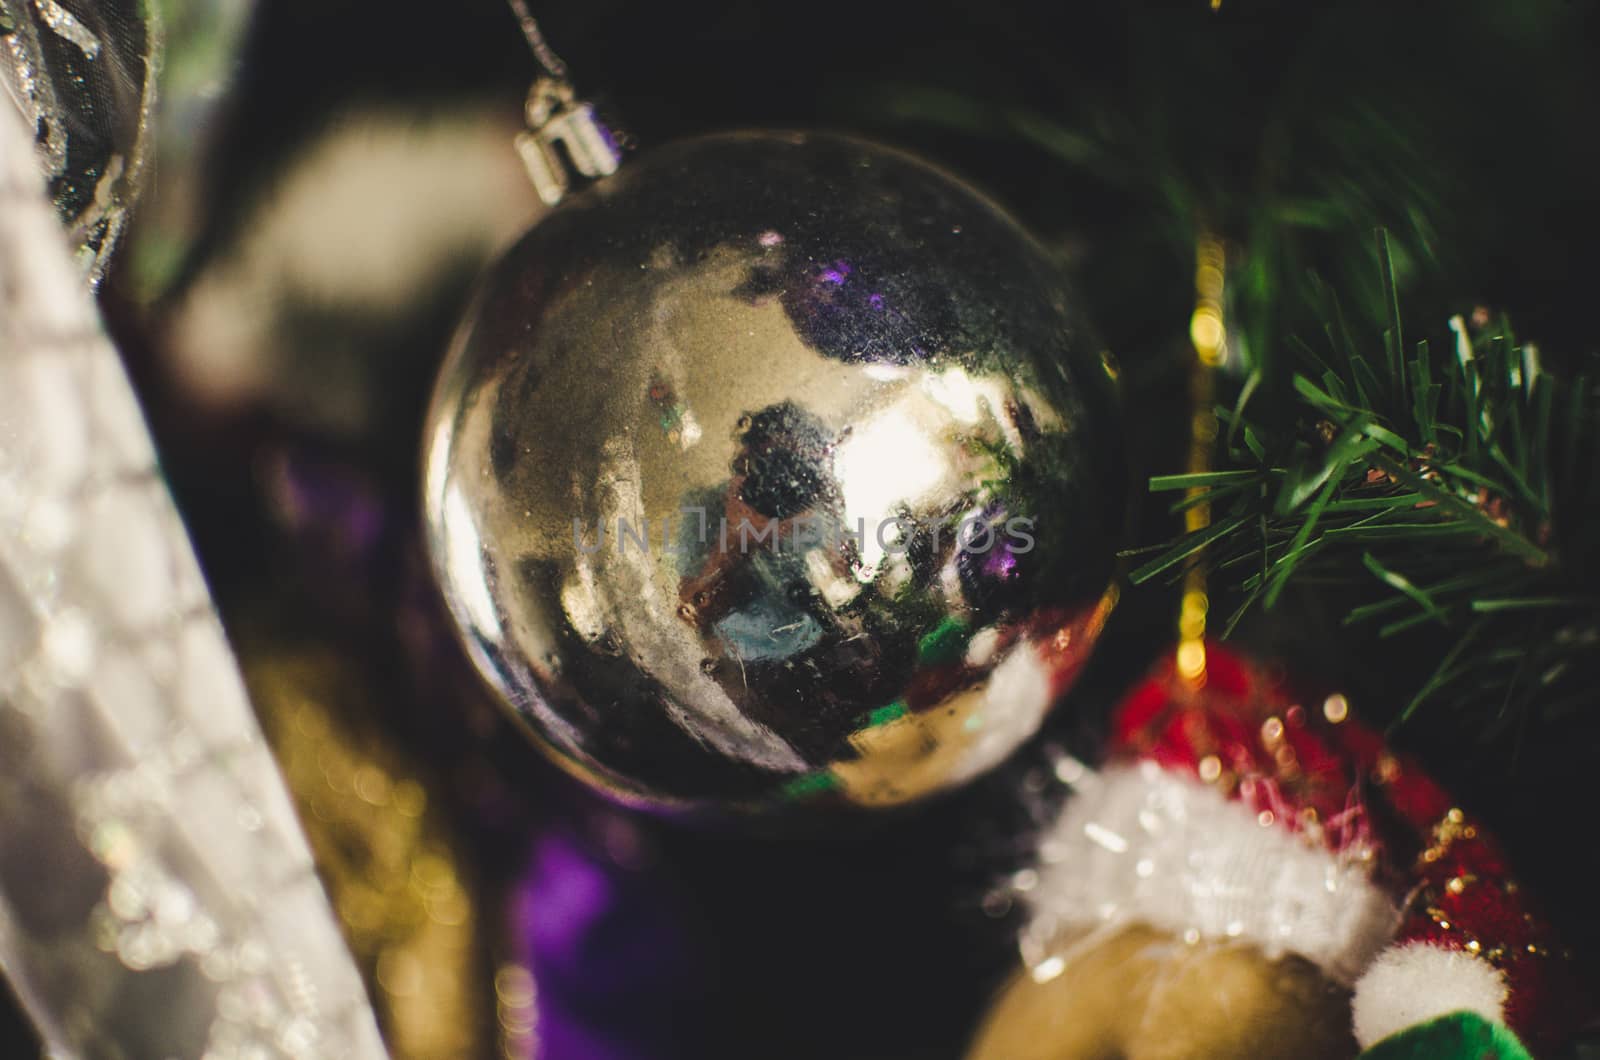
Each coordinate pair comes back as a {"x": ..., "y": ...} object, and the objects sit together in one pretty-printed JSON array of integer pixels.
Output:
[{"x": 157, "y": 898}]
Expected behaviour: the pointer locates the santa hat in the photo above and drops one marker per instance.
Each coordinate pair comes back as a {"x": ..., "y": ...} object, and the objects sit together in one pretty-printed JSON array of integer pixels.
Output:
[{"x": 1230, "y": 810}]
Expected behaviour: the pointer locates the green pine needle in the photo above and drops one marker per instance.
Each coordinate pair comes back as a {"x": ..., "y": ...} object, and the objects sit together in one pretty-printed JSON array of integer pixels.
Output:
[{"x": 1446, "y": 478}]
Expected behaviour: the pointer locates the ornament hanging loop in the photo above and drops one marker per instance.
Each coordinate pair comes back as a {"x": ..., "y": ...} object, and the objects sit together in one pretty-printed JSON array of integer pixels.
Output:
[
  {"x": 543, "y": 54},
  {"x": 564, "y": 134}
]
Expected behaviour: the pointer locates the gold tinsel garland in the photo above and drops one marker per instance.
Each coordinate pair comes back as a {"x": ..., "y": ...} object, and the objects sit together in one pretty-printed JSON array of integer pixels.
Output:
[{"x": 393, "y": 868}]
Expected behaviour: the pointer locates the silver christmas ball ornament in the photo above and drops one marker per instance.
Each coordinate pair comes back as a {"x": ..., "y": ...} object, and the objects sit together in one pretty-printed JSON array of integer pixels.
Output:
[{"x": 775, "y": 469}]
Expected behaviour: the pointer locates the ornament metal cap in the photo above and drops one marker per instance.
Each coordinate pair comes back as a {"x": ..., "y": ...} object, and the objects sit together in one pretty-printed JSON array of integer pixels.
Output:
[{"x": 564, "y": 130}]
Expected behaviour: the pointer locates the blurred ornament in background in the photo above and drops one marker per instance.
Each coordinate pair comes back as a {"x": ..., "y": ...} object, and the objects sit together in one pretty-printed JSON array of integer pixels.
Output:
[
  {"x": 201, "y": 44},
  {"x": 310, "y": 311},
  {"x": 83, "y": 76},
  {"x": 776, "y": 466},
  {"x": 609, "y": 948}
]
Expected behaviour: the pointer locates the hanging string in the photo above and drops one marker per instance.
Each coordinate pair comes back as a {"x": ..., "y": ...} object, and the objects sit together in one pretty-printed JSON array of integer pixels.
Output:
[{"x": 546, "y": 57}]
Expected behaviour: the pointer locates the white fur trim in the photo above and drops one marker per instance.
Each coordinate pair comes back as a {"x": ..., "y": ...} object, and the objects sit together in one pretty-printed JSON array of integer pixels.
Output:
[
  {"x": 1139, "y": 844},
  {"x": 1015, "y": 702},
  {"x": 1415, "y": 982}
]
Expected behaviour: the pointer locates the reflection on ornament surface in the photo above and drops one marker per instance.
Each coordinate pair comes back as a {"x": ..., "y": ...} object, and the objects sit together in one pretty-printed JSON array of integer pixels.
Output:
[{"x": 775, "y": 466}]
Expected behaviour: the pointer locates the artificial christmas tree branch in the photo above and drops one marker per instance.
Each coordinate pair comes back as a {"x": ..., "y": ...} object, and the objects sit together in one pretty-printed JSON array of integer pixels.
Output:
[{"x": 1457, "y": 482}]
